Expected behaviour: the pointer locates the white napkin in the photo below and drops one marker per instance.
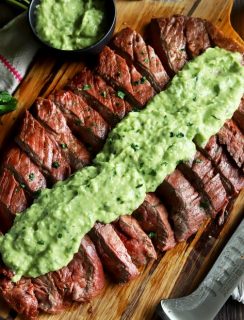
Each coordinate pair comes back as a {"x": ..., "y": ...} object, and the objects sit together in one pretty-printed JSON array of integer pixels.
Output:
[{"x": 17, "y": 49}]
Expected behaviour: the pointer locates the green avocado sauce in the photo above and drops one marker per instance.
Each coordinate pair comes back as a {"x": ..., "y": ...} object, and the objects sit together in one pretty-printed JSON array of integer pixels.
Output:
[
  {"x": 139, "y": 153},
  {"x": 70, "y": 24}
]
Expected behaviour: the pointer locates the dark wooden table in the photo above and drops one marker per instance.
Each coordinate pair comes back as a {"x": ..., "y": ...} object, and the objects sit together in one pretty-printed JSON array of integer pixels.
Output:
[{"x": 232, "y": 310}]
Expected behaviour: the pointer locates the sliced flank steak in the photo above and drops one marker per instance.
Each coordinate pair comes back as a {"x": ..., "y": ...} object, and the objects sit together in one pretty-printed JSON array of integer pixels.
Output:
[
  {"x": 42, "y": 149},
  {"x": 54, "y": 121},
  {"x": 136, "y": 241},
  {"x": 131, "y": 46},
  {"x": 197, "y": 40},
  {"x": 113, "y": 253},
  {"x": 203, "y": 176},
  {"x": 169, "y": 41},
  {"x": 81, "y": 118},
  {"x": 100, "y": 96},
  {"x": 231, "y": 175},
  {"x": 25, "y": 171},
  {"x": 153, "y": 218},
  {"x": 83, "y": 278},
  {"x": 125, "y": 78},
  {"x": 239, "y": 115},
  {"x": 186, "y": 205},
  {"x": 12, "y": 199},
  {"x": 218, "y": 39},
  {"x": 232, "y": 138},
  {"x": 20, "y": 296}
]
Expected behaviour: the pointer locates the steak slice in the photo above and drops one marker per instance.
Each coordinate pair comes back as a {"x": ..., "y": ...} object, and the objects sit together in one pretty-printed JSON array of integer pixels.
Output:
[
  {"x": 49, "y": 298},
  {"x": 113, "y": 253},
  {"x": 12, "y": 199},
  {"x": 203, "y": 176},
  {"x": 218, "y": 39},
  {"x": 100, "y": 95},
  {"x": 20, "y": 296},
  {"x": 115, "y": 70},
  {"x": 42, "y": 149},
  {"x": 133, "y": 48},
  {"x": 187, "y": 208},
  {"x": 81, "y": 118},
  {"x": 169, "y": 41},
  {"x": 233, "y": 178},
  {"x": 197, "y": 40},
  {"x": 83, "y": 278},
  {"x": 136, "y": 241},
  {"x": 238, "y": 116},
  {"x": 52, "y": 118},
  {"x": 233, "y": 139},
  {"x": 25, "y": 171},
  {"x": 154, "y": 220}
]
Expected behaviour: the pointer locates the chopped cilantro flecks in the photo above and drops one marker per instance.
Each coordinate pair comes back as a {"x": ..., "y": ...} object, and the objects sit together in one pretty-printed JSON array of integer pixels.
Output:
[
  {"x": 31, "y": 176},
  {"x": 63, "y": 146},
  {"x": 55, "y": 165},
  {"x": 87, "y": 87},
  {"x": 152, "y": 235},
  {"x": 121, "y": 94}
]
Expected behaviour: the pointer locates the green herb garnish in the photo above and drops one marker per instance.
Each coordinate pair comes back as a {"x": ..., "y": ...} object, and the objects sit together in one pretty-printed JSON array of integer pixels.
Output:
[
  {"x": 31, "y": 176},
  {"x": 55, "y": 165},
  {"x": 121, "y": 94},
  {"x": 7, "y": 102},
  {"x": 63, "y": 146},
  {"x": 87, "y": 87},
  {"x": 152, "y": 235}
]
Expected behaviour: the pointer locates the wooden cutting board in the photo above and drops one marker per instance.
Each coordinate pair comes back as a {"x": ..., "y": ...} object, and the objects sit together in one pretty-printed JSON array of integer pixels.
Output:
[{"x": 178, "y": 271}]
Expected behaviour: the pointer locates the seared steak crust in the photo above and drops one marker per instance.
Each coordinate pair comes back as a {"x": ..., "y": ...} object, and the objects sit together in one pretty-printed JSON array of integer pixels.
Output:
[
  {"x": 81, "y": 118},
  {"x": 187, "y": 208},
  {"x": 113, "y": 253},
  {"x": 133, "y": 48},
  {"x": 12, "y": 199},
  {"x": 239, "y": 115},
  {"x": 25, "y": 171},
  {"x": 100, "y": 95},
  {"x": 169, "y": 41},
  {"x": 136, "y": 241},
  {"x": 203, "y": 176},
  {"x": 115, "y": 70},
  {"x": 233, "y": 139},
  {"x": 232, "y": 176},
  {"x": 154, "y": 219},
  {"x": 53, "y": 119},
  {"x": 197, "y": 40},
  {"x": 42, "y": 149}
]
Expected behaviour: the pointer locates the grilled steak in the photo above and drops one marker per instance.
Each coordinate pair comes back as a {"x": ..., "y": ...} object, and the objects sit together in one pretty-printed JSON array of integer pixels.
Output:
[
  {"x": 42, "y": 149},
  {"x": 136, "y": 241},
  {"x": 113, "y": 253},
  {"x": 83, "y": 278},
  {"x": 25, "y": 171},
  {"x": 203, "y": 176},
  {"x": 218, "y": 39},
  {"x": 197, "y": 40},
  {"x": 114, "y": 69},
  {"x": 153, "y": 218},
  {"x": 100, "y": 95},
  {"x": 239, "y": 115},
  {"x": 187, "y": 207},
  {"x": 81, "y": 118},
  {"x": 169, "y": 41},
  {"x": 133, "y": 48},
  {"x": 53, "y": 119},
  {"x": 232, "y": 177},
  {"x": 49, "y": 298},
  {"x": 12, "y": 199},
  {"x": 233, "y": 139},
  {"x": 20, "y": 296}
]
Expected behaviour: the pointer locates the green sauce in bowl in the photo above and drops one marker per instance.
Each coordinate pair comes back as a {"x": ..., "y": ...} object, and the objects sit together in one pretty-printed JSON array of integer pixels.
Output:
[{"x": 70, "y": 24}]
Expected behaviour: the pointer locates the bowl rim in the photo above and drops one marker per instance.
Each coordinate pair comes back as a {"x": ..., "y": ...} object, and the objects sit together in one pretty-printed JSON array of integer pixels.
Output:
[{"x": 111, "y": 27}]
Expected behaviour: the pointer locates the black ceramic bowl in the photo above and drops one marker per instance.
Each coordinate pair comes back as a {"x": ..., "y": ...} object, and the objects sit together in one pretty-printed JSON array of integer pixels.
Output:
[{"x": 95, "y": 48}]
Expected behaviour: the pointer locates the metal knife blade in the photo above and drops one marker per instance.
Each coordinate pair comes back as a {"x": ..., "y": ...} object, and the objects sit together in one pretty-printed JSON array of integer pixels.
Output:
[{"x": 216, "y": 288}]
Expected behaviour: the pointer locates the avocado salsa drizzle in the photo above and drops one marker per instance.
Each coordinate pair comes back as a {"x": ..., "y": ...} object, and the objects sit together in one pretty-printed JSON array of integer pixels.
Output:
[{"x": 138, "y": 154}]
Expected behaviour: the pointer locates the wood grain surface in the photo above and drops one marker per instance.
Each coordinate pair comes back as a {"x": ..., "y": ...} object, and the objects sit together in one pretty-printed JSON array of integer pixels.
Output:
[{"x": 180, "y": 270}]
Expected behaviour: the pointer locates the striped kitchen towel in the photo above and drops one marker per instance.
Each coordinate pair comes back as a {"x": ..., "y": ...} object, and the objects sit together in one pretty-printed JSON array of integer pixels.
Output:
[{"x": 17, "y": 49}]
